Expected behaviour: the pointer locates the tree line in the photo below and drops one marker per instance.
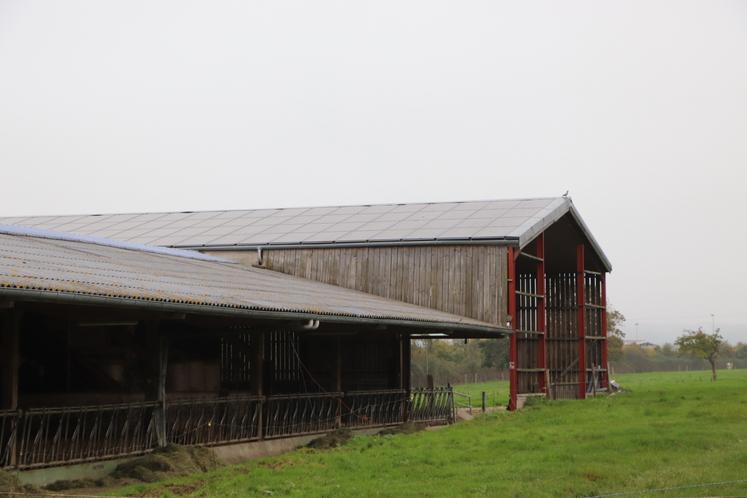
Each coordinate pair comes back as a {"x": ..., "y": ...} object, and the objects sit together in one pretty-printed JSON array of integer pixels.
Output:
[{"x": 479, "y": 360}]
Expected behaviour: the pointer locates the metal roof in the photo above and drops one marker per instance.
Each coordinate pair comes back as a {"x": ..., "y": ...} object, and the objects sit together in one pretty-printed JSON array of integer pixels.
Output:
[
  {"x": 514, "y": 221},
  {"x": 74, "y": 237},
  {"x": 50, "y": 268}
]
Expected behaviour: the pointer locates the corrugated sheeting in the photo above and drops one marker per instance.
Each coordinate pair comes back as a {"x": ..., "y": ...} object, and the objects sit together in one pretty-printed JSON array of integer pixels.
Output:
[{"x": 55, "y": 267}]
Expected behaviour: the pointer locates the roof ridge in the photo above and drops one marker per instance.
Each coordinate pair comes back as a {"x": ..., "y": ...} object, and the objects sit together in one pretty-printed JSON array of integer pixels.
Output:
[{"x": 135, "y": 213}]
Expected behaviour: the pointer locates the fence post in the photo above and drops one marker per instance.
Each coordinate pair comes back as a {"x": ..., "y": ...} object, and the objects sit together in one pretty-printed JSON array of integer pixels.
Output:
[
  {"x": 453, "y": 405},
  {"x": 163, "y": 355},
  {"x": 338, "y": 383},
  {"x": 484, "y": 401},
  {"x": 10, "y": 321},
  {"x": 257, "y": 378},
  {"x": 14, "y": 447},
  {"x": 260, "y": 418}
]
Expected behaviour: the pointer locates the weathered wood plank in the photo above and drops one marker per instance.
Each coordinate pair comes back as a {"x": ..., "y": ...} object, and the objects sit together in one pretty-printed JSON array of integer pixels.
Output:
[{"x": 465, "y": 280}]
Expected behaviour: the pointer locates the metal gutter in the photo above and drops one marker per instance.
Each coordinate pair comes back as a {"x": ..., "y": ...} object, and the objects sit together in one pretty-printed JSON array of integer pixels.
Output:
[
  {"x": 512, "y": 241},
  {"x": 73, "y": 298}
]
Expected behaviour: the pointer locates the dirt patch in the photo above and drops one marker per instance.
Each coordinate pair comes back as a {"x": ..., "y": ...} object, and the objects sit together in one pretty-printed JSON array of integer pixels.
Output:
[
  {"x": 331, "y": 440},
  {"x": 9, "y": 484},
  {"x": 406, "y": 428}
]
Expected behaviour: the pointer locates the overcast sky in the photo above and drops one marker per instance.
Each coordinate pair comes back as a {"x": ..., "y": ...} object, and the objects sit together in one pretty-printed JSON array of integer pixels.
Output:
[{"x": 639, "y": 108}]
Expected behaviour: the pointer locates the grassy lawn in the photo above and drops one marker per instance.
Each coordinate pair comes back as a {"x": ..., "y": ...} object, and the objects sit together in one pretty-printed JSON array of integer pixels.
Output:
[
  {"x": 497, "y": 393},
  {"x": 669, "y": 429}
]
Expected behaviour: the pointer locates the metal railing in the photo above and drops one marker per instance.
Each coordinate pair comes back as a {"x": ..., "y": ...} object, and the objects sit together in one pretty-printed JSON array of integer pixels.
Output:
[
  {"x": 214, "y": 421},
  {"x": 462, "y": 400},
  {"x": 374, "y": 408},
  {"x": 52, "y": 436},
  {"x": 8, "y": 431},
  {"x": 49, "y": 436},
  {"x": 433, "y": 405},
  {"x": 298, "y": 414}
]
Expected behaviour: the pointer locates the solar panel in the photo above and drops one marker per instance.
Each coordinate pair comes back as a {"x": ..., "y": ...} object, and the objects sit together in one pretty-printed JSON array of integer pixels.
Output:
[{"x": 383, "y": 222}]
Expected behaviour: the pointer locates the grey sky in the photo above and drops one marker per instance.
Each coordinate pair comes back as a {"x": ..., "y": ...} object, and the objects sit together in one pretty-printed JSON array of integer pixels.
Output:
[{"x": 639, "y": 108}]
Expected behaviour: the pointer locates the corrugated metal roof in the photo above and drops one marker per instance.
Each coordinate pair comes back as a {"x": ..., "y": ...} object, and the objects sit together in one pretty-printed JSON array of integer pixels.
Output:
[
  {"x": 511, "y": 220},
  {"x": 54, "y": 267}
]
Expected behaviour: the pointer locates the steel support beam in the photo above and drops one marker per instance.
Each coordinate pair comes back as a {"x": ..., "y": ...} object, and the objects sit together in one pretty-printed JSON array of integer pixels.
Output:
[
  {"x": 605, "y": 362},
  {"x": 513, "y": 374},
  {"x": 581, "y": 319},
  {"x": 542, "y": 350}
]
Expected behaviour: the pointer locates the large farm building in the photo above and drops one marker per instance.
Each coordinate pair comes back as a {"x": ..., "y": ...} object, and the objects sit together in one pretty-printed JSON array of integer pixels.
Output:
[{"x": 124, "y": 332}]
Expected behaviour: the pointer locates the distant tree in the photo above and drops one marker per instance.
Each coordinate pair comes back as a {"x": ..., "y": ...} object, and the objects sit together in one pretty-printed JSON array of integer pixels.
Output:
[
  {"x": 740, "y": 350},
  {"x": 701, "y": 345},
  {"x": 615, "y": 335},
  {"x": 668, "y": 350},
  {"x": 494, "y": 353}
]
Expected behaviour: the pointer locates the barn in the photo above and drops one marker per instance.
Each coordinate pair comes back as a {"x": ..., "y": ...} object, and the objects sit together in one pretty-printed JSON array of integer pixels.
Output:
[{"x": 233, "y": 326}]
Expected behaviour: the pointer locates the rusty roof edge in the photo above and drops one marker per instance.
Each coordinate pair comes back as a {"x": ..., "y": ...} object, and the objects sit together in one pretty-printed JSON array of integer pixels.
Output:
[{"x": 96, "y": 300}]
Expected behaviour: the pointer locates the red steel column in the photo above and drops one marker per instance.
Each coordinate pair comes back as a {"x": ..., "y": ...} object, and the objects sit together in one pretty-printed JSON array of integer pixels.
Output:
[
  {"x": 605, "y": 364},
  {"x": 580, "y": 320},
  {"x": 513, "y": 350},
  {"x": 542, "y": 353}
]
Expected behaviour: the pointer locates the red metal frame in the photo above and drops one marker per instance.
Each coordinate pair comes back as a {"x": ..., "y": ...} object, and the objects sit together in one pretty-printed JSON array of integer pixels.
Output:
[
  {"x": 605, "y": 363},
  {"x": 580, "y": 320},
  {"x": 542, "y": 350},
  {"x": 513, "y": 350}
]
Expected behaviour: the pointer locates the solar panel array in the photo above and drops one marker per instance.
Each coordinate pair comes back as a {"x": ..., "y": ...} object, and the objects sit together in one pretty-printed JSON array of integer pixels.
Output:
[{"x": 315, "y": 225}]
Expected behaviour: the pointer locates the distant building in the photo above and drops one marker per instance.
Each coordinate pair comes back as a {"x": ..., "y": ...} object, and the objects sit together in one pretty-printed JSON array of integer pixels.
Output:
[{"x": 643, "y": 344}]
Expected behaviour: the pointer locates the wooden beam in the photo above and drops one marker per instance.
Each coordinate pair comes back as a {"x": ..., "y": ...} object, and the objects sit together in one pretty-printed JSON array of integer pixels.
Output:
[
  {"x": 338, "y": 379},
  {"x": 163, "y": 357},
  {"x": 258, "y": 358},
  {"x": 257, "y": 377},
  {"x": 9, "y": 358},
  {"x": 532, "y": 256},
  {"x": 158, "y": 349}
]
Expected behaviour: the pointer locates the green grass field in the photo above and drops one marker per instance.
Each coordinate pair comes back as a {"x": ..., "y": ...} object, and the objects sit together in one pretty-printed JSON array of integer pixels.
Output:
[
  {"x": 669, "y": 429},
  {"x": 497, "y": 393}
]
